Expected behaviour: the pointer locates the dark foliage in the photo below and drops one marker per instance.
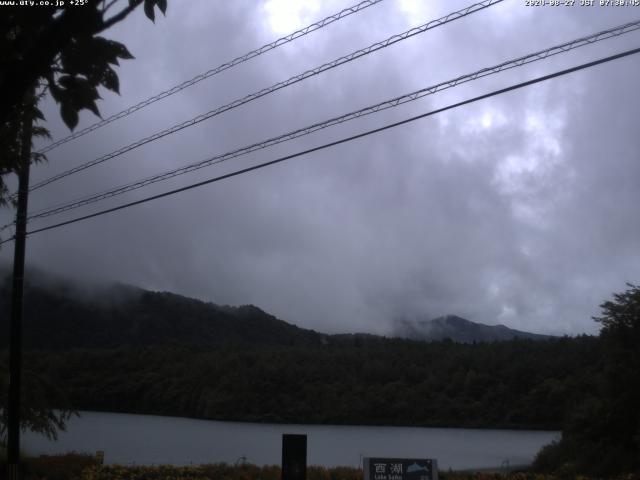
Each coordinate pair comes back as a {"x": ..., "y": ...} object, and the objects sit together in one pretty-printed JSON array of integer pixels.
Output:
[
  {"x": 59, "y": 45},
  {"x": 515, "y": 384},
  {"x": 56, "y": 48},
  {"x": 39, "y": 392},
  {"x": 11, "y": 136},
  {"x": 601, "y": 435}
]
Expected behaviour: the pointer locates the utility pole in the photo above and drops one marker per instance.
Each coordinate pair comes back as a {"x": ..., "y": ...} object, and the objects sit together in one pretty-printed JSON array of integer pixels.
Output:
[{"x": 15, "y": 326}]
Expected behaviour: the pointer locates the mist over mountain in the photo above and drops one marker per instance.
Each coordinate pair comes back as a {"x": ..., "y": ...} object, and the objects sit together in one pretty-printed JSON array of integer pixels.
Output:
[
  {"x": 118, "y": 348},
  {"x": 62, "y": 313},
  {"x": 457, "y": 329}
]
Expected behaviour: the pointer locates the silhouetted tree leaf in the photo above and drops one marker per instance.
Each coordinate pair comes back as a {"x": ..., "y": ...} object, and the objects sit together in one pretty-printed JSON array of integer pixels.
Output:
[
  {"x": 148, "y": 10},
  {"x": 110, "y": 80},
  {"x": 69, "y": 115}
]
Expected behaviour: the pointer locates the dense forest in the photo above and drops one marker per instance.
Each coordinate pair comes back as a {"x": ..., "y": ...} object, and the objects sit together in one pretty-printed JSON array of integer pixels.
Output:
[{"x": 515, "y": 384}]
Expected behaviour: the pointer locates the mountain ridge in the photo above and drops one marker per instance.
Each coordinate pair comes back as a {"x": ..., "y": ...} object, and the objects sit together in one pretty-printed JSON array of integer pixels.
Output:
[
  {"x": 119, "y": 314},
  {"x": 459, "y": 330}
]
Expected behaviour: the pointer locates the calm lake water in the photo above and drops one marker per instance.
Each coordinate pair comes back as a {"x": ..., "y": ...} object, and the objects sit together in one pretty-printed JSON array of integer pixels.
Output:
[{"x": 145, "y": 440}]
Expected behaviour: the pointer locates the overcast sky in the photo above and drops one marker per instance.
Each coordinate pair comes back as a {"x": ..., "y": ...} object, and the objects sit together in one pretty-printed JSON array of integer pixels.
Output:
[{"x": 520, "y": 210}]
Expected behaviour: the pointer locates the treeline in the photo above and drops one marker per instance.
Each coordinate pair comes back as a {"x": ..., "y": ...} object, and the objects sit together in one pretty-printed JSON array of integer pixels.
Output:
[
  {"x": 367, "y": 381},
  {"x": 63, "y": 315}
]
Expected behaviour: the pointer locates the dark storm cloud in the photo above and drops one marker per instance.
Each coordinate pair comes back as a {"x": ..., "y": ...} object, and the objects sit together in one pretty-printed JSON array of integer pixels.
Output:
[{"x": 516, "y": 210}]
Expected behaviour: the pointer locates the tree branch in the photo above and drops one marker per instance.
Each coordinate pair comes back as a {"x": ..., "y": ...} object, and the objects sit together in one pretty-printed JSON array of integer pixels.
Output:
[
  {"x": 108, "y": 6},
  {"x": 120, "y": 16}
]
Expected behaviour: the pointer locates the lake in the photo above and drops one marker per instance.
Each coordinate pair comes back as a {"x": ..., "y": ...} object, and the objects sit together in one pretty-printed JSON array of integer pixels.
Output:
[{"x": 146, "y": 440}]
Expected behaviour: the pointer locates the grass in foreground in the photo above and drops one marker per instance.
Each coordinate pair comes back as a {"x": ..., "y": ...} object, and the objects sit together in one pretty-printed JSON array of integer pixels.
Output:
[{"x": 78, "y": 466}]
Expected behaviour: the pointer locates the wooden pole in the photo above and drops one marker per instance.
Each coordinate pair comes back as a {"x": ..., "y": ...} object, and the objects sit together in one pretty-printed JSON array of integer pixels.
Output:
[{"x": 15, "y": 325}]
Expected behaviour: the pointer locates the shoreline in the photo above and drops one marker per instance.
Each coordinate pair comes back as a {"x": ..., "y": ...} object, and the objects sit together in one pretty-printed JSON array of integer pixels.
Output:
[{"x": 336, "y": 425}]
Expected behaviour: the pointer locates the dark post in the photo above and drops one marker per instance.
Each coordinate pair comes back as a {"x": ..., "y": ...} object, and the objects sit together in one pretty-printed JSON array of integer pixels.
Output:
[
  {"x": 15, "y": 326},
  {"x": 294, "y": 457}
]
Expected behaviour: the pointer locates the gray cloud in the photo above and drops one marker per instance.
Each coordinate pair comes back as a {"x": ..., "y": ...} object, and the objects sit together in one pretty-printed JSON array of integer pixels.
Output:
[{"x": 518, "y": 210}]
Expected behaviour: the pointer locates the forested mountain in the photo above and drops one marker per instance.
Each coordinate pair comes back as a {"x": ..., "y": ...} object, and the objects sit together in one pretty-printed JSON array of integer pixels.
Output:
[
  {"x": 60, "y": 314},
  {"x": 457, "y": 329},
  {"x": 125, "y": 349}
]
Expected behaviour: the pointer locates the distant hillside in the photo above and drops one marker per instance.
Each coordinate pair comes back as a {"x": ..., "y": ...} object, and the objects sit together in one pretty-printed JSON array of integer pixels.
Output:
[
  {"x": 124, "y": 349},
  {"x": 60, "y": 315},
  {"x": 459, "y": 330}
]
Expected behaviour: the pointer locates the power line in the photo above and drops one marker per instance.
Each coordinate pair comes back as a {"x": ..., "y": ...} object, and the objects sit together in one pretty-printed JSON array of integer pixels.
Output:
[
  {"x": 343, "y": 140},
  {"x": 567, "y": 46},
  {"x": 265, "y": 91},
  {"x": 540, "y": 55},
  {"x": 214, "y": 71}
]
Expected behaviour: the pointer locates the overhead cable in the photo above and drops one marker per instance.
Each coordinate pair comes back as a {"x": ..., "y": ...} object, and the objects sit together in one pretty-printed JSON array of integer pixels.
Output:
[
  {"x": 265, "y": 91},
  {"x": 517, "y": 62},
  {"x": 214, "y": 71},
  {"x": 338, "y": 142}
]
